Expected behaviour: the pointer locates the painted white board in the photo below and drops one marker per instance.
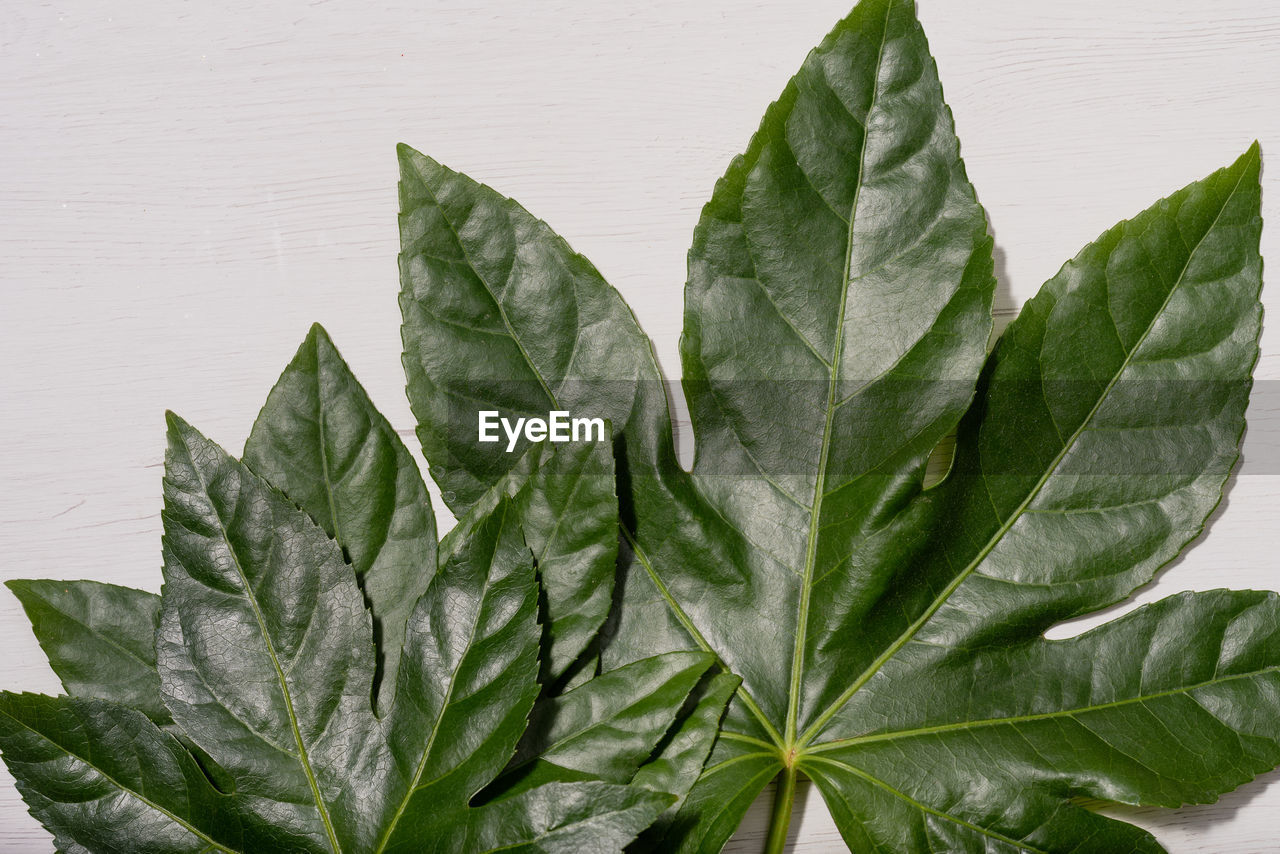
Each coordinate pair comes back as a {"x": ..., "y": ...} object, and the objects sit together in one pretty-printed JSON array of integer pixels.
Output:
[{"x": 187, "y": 186}]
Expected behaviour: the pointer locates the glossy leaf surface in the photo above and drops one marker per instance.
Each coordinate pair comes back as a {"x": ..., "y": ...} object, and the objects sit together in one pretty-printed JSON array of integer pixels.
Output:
[
  {"x": 563, "y": 496},
  {"x": 467, "y": 687},
  {"x": 888, "y": 637},
  {"x": 321, "y": 442},
  {"x": 558, "y": 818},
  {"x": 482, "y": 283},
  {"x": 265, "y": 650},
  {"x": 105, "y": 778},
  {"x": 100, "y": 639},
  {"x": 255, "y": 600},
  {"x": 606, "y": 728}
]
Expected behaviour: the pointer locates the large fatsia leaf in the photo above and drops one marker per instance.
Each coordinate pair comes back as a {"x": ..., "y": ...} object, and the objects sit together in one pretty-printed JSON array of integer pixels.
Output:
[
  {"x": 851, "y": 237},
  {"x": 321, "y": 442},
  {"x": 798, "y": 254},
  {"x": 836, "y": 320},
  {"x": 99, "y": 638}
]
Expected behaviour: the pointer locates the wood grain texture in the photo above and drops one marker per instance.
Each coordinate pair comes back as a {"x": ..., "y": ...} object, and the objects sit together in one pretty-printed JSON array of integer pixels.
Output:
[{"x": 188, "y": 186}]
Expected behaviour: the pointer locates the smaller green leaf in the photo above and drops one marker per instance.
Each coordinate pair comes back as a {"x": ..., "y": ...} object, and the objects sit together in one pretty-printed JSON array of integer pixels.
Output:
[
  {"x": 683, "y": 754},
  {"x": 264, "y": 642},
  {"x": 104, "y": 778},
  {"x": 605, "y": 728},
  {"x": 320, "y": 441},
  {"x": 467, "y": 684},
  {"x": 558, "y": 818},
  {"x": 501, "y": 314},
  {"x": 565, "y": 501},
  {"x": 468, "y": 675},
  {"x": 100, "y": 639}
]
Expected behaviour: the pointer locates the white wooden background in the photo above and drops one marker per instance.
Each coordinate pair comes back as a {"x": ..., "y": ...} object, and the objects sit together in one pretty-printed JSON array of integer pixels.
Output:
[{"x": 186, "y": 186}]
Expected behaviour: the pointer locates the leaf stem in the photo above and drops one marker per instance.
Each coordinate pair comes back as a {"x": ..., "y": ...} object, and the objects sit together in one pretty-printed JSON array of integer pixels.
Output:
[{"x": 780, "y": 821}]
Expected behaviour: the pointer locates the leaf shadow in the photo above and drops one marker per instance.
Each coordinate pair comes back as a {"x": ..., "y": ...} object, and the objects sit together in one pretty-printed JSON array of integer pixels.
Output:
[{"x": 1004, "y": 308}]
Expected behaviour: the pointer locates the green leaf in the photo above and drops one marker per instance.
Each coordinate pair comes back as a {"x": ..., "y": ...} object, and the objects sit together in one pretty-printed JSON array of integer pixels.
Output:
[
  {"x": 500, "y": 314},
  {"x": 467, "y": 684},
  {"x": 563, "y": 497},
  {"x": 558, "y": 818},
  {"x": 469, "y": 675},
  {"x": 836, "y": 324},
  {"x": 1107, "y": 421},
  {"x": 265, "y": 659},
  {"x": 104, "y": 778},
  {"x": 263, "y": 641},
  {"x": 606, "y": 728},
  {"x": 100, "y": 639},
  {"x": 1129, "y": 712},
  {"x": 680, "y": 760},
  {"x": 321, "y": 442}
]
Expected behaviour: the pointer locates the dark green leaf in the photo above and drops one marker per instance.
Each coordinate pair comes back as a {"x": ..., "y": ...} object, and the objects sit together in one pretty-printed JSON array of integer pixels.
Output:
[
  {"x": 605, "y": 728},
  {"x": 1108, "y": 419},
  {"x": 265, "y": 661},
  {"x": 558, "y": 818},
  {"x": 321, "y": 442},
  {"x": 100, "y": 639},
  {"x": 469, "y": 675},
  {"x": 1129, "y": 712},
  {"x": 564, "y": 498},
  {"x": 500, "y": 314},
  {"x": 681, "y": 759},
  {"x": 467, "y": 683},
  {"x": 836, "y": 322},
  {"x": 263, "y": 641},
  {"x": 104, "y": 778}
]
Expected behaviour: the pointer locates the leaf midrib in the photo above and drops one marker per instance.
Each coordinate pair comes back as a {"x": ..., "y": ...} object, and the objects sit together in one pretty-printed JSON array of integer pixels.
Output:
[
  {"x": 815, "y": 515},
  {"x": 813, "y": 730}
]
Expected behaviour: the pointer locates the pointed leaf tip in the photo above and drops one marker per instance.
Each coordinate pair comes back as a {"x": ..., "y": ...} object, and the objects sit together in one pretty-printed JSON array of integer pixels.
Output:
[
  {"x": 178, "y": 429},
  {"x": 317, "y": 332}
]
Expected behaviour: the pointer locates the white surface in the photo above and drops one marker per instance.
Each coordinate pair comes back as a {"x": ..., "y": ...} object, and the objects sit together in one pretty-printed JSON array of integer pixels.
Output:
[{"x": 187, "y": 188}]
